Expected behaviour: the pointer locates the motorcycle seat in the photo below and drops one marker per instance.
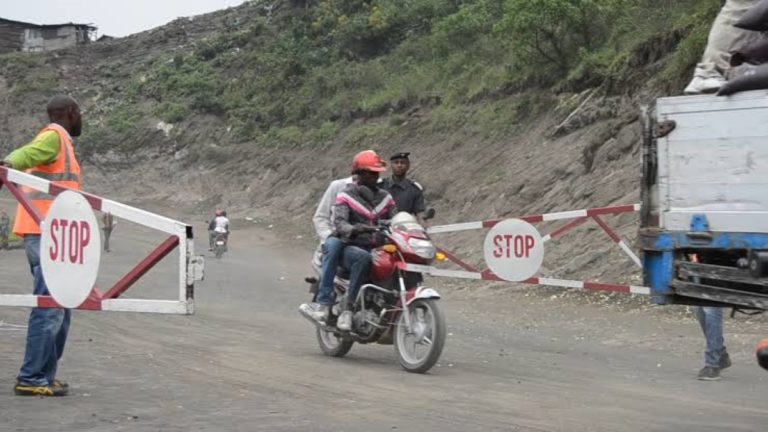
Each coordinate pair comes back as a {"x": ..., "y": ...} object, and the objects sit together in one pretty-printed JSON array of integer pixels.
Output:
[{"x": 342, "y": 273}]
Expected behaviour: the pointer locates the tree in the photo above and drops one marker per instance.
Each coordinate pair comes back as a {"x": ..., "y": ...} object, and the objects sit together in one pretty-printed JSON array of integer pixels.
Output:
[{"x": 553, "y": 32}]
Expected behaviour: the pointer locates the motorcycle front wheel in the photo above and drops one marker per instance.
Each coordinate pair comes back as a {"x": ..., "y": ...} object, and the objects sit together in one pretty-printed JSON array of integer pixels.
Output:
[
  {"x": 332, "y": 344},
  {"x": 418, "y": 350}
]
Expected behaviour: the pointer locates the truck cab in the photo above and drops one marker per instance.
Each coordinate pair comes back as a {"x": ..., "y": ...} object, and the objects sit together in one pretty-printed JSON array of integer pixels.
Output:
[{"x": 704, "y": 214}]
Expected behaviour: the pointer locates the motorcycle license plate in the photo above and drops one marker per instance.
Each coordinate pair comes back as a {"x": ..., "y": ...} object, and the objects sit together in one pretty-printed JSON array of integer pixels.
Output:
[{"x": 220, "y": 243}]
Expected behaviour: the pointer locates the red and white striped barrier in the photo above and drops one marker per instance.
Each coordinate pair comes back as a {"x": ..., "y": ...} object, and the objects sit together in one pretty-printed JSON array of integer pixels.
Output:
[
  {"x": 578, "y": 217},
  {"x": 190, "y": 266}
]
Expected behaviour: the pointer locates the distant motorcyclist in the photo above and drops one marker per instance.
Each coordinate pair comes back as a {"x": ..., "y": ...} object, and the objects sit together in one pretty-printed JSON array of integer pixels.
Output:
[
  {"x": 356, "y": 213},
  {"x": 221, "y": 225},
  {"x": 211, "y": 227}
]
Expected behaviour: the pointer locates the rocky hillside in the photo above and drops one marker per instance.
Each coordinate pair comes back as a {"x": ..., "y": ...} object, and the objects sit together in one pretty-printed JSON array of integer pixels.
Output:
[{"x": 509, "y": 107}]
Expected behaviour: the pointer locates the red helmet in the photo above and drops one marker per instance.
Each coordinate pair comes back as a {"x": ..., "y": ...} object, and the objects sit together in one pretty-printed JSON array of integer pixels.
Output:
[
  {"x": 368, "y": 160},
  {"x": 762, "y": 353}
]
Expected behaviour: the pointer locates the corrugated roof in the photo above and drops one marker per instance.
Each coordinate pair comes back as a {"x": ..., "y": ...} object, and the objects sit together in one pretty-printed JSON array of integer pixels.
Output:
[{"x": 89, "y": 26}]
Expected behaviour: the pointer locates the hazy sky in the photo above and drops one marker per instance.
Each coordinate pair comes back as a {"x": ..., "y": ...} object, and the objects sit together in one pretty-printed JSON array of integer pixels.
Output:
[{"x": 112, "y": 17}]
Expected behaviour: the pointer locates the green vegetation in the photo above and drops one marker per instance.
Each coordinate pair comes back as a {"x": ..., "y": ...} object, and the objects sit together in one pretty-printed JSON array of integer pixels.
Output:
[
  {"x": 339, "y": 60},
  {"x": 171, "y": 112},
  {"x": 316, "y": 67},
  {"x": 28, "y": 75}
]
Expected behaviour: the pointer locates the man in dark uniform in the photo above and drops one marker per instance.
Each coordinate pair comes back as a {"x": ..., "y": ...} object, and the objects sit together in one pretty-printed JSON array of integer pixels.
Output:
[
  {"x": 409, "y": 197},
  {"x": 408, "y": 194}
]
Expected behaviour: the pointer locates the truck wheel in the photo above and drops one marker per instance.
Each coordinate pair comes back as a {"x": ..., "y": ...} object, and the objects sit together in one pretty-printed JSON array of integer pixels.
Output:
[{"x": 758, "y": 264}]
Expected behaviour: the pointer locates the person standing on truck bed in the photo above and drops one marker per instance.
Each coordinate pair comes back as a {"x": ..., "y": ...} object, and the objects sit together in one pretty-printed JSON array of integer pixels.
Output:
[{"x": 714, "y": 67}]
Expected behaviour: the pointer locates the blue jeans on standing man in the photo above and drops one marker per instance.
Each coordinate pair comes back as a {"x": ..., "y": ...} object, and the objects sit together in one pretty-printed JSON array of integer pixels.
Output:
[
  {"x": 47, "y": 329},
  {"x": 332, "y": 248},
  {"x": 358, "y": 261},
  {"x": 711, "y": 321}
]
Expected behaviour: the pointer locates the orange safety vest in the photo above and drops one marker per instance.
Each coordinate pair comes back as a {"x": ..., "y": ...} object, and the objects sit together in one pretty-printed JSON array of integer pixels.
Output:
[{"x": 64, "y": 171}]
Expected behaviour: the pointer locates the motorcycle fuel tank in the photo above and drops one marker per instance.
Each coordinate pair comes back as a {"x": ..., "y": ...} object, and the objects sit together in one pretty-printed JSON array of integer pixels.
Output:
[{"x": 383, "y": 265}]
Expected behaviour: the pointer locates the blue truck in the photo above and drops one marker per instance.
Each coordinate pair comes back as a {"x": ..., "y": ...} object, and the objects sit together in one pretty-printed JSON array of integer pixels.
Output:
[{"x": 704, "y": 215}]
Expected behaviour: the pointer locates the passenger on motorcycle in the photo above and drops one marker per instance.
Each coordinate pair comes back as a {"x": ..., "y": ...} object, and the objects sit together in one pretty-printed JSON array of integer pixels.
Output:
[
  {"x": 330, "y": 248},
  {"x": 356, "y": 214}
]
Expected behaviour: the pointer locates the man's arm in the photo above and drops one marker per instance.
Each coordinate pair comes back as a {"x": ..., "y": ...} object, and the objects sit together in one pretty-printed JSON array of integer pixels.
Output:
[
  {"x": 41, "y": 151},
  {"x": 341, "y": 225},
  {"x": 322, "y": 218}
]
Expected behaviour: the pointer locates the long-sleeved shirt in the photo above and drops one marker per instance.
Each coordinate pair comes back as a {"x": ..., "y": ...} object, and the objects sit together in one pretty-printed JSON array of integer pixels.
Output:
[
  {"x": 322, "y": 217},
  {"x": 355, "y": 208},
  {"x": 40, "y": 151}
]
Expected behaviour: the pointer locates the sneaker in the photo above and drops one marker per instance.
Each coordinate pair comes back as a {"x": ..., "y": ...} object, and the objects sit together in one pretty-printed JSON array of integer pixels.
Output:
[
  {"x": 345, "y": 321},
  {"x": 725, "y": 361},
  {"x": 57, "y": 383},
  {"x": 314, "y": 311},
  {"x": 35, "y": 390},
  {"x": 709, "y": 374},
  {"x": 699, "y": 85}
]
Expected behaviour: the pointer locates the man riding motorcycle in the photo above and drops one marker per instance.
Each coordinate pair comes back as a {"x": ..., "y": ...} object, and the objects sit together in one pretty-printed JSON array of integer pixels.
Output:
[
  {"x": 221, "y": 224},
  {"x": 357, "y": 211}
]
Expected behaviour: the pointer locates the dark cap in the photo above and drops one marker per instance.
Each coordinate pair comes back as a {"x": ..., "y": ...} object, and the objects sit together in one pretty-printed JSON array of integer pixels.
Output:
[{"x": 401, "y": 155}]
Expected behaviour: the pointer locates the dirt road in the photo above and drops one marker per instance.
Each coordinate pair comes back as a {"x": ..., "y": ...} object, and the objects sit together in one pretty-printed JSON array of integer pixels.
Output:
[{"x": 515, "y": 359}]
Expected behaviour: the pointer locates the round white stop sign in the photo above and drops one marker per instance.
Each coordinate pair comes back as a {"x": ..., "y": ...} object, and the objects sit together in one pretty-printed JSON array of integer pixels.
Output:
[
  {"x": 70, "y": 249},
  {"x": 514, "y": 250}
]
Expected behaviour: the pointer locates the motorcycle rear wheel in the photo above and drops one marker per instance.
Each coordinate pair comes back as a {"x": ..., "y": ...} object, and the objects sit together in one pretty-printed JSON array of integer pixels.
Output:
[
  {"x": 428, "y": 325},
  {"x": 332, "y": 344}
]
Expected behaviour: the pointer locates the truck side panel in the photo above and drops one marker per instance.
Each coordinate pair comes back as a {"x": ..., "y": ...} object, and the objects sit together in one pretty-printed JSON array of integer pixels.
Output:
[{"x": 714, "y": 162}]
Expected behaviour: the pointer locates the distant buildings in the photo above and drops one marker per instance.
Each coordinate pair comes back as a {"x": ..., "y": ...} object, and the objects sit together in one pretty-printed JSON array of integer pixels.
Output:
[{"x": 21, "y": 36}]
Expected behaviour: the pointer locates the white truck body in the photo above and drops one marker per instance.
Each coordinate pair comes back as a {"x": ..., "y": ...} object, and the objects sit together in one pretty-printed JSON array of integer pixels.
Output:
[{"x": 714, "y": 162}]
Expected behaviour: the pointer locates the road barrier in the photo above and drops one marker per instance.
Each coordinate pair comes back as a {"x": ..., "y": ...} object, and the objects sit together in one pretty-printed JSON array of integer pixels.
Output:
[
  {"x": 513, "y": 252},
  {"x": 70, "y": 252}
]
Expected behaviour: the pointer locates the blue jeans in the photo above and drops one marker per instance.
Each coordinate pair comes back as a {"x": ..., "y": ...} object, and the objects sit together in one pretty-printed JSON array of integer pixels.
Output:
[
  {"x": 47, "y": 329},
  {"x": 711, "y": 321},
  {"x": 331, "y": 248},
  {"x": 358, "y": 261}
]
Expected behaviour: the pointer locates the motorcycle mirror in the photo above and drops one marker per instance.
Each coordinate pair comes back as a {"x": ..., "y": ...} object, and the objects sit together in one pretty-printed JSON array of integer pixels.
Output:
[{"x": 430, "y": 214}]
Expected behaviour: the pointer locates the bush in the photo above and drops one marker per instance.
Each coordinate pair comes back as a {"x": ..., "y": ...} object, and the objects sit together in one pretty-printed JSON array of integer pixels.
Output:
[
  {"x": 123, "y": 118},
  {"x": 171, "y": 112}
]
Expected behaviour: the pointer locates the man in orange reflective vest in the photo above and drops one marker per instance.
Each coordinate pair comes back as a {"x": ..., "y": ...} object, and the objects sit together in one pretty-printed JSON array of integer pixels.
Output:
[{"x": 49, "y": 156}]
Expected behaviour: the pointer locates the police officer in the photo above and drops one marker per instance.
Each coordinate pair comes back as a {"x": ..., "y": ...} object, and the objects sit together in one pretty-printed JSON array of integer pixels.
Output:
[{"x": 408, "y": 194}]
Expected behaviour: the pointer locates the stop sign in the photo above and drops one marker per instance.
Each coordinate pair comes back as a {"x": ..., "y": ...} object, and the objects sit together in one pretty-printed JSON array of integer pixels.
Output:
[
  {"x": 514, "y": 250},
  {"x": 70, "y": 249}
]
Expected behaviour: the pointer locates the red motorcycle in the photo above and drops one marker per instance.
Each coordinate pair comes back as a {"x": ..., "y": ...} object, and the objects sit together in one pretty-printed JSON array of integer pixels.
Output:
[{"x": 394, "y": 308}]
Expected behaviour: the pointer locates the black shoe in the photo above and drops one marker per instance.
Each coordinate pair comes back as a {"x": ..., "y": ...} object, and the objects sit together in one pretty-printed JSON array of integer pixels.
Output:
[
  {"x": 34, "y": 390},
  {"x": 709, "y": 374},
  {"x": 725, "y": 361}
]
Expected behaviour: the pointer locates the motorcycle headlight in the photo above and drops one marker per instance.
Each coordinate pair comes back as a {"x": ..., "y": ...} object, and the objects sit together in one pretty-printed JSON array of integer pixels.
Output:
[{"x": 422, "y": 248}]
